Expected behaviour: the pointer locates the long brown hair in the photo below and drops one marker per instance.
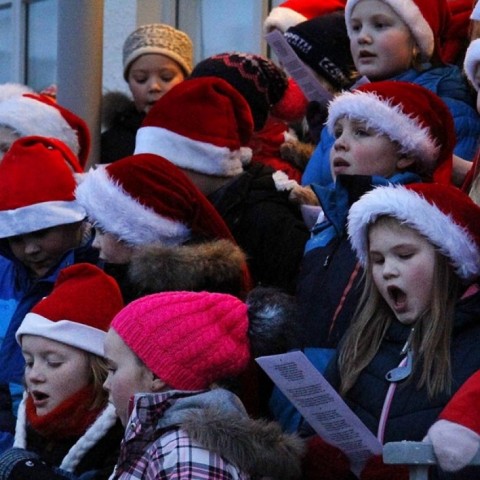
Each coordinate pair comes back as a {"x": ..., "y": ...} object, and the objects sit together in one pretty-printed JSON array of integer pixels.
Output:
[
  {"x": 99, "y": 372},
  {"x": 431, "y": 338}
]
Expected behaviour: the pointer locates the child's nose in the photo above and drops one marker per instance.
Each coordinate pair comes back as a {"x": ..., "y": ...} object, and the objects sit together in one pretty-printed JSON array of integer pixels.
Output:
[
  {"x": 35, "y": 374},
  {"x": 155, "y": 85},
  {"x": 31, "y": 247},
  {"x": 389, "y": 269},
  {"x": 340, "y": 142},
  {"x": 363, "y": 36}
]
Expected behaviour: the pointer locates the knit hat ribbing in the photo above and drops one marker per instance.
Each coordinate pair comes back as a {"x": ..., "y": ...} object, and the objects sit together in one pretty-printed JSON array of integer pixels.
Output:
[
  {"x": 160, "y": 39},
  {"x": 443, "y": 214},
  {"x": 37, "y": 187},
  {"x": 188, "y": 339},
  {"x": 145, "y": 199},
  {"x": 323, "y": 44},
  {"x": 78, "y": 311},
  {"x": 202, "y": 124},
  {"x": 427, "y": 20},
  {"x": 409, "y": 114},
  {"x": 256, "y": 78}
]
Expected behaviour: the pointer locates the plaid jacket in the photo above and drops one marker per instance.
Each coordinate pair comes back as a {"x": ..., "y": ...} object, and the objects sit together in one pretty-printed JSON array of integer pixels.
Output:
[{"x": 203, "y": 435}]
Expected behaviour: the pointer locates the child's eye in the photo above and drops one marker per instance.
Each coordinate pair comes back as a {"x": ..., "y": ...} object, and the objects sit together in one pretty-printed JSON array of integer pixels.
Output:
[
  {"x": 405, "y": 256},
  {"x": 54, "y": 364},
  {"x": 376, "y": 259},
  {"x": 355, "y": 27},
  {"x": 337, "y": 132},
  {"x": 28, "y": 364},
  {"x": 140, "y": 80},
  {"x": 362, "y": 132},
  {"x": 167, "y": 78}
]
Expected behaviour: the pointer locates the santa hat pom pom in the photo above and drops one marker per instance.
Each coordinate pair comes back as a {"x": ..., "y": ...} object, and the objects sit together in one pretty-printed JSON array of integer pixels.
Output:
[
  {"x": 292, "y": 107},
  {"x": 454, "y": 445}
]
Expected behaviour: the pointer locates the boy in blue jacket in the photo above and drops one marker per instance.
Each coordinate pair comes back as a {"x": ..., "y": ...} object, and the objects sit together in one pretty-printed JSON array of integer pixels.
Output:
[{"x": 42, "y": 230}]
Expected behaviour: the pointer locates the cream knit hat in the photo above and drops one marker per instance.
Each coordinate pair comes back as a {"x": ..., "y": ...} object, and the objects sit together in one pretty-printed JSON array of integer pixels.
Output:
[{"x": 158, "y": 38}]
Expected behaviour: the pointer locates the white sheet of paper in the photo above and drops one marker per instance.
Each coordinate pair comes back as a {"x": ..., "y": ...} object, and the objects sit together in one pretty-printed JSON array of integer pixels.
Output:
[
  {"x": 309, "y": 84},
  {"x": 321, "y": 406}
]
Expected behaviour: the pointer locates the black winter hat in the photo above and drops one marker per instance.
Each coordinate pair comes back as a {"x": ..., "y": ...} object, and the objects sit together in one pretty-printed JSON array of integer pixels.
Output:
[
  {"x": 323, "y": 44},
  {"x": 256, "y": 78}
]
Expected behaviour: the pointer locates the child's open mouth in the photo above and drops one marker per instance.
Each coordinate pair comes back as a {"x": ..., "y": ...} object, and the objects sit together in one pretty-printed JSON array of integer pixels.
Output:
[
  {"x": 39, "y": 398},
  {"x": 398, "y": 297}
]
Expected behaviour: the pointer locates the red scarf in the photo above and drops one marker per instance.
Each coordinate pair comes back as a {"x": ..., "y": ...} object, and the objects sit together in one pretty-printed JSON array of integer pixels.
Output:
[{"x": 70, "y": 419}]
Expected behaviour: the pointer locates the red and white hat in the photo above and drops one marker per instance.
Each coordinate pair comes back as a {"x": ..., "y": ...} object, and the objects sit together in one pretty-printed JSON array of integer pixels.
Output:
[
  {"x": 34, "y": 114},
  {"x": 203, "y": 124},
  {"x": 475, "y": 15},
  {"x": 144, "y": 199},
  {"x": 471, "y": 62},
  {"x": 409, "y": 114},
  {"x": 428, "y": 20},
  {"x": 37, "y": 187},
  {"x": 291, "y": 12},
  {"x": 78, "y": 311},
  {"x": 443, "y": 214}
]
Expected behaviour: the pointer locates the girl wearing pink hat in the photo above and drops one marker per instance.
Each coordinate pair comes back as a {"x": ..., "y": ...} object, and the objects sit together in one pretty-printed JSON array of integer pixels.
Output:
[{"x": 168, "y": 354}]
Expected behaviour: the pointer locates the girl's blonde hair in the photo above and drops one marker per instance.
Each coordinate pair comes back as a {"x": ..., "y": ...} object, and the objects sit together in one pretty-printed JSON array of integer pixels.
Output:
[
  {"x": 99, "y": 372},
  {"x": 431, "y": 337}
]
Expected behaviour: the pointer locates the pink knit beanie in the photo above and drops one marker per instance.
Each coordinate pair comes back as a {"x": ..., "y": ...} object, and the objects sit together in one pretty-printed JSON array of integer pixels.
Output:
[{"x": 188, "y": 339}]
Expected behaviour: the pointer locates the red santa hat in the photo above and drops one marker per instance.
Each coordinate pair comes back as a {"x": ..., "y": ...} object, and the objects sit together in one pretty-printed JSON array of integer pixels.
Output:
[
  {"x": 203, "y": 124},
  {"x": 34, "y": 114},
  {"x": 427, "y": 20},
  {"x": 471, "y": 62},
  {"x": 291, "y": 12},
  {"x": 443, "y": 214},
  {"x": 37, "y": 187},
  {"x": 144, "y": 199},
  {"x": 409, "y": 114},
  {"x": 78, "y": 311}
]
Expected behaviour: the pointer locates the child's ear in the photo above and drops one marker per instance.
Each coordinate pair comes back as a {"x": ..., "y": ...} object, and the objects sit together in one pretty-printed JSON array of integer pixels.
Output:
[{"x": 405, "y": 161}]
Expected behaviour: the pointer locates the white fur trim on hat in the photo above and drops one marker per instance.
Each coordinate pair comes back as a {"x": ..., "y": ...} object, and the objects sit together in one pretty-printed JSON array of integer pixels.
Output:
[
  {"x": 9, "y": 90},
  {"x": 386, "y": 118},
  {"x": 416, "y": 212},
  {"x": 78, "y": 335},
  {"x": 107, "y": 203},
  {"x": 192, "y": 154},
  {"x": 28, "y": 116},
  {"x": 471, "y": 62},
  {"x": 409, "y": 12},
  {"x": 39, "y": 216},
  {"x": 454, "y": 445},
  {"x": 475, "y": 12},
  {"x": 282, "y": 18}
]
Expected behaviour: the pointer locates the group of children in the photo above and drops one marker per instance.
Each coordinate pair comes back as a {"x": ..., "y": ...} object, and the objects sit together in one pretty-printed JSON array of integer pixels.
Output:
[{"x": 132, "y": 294}]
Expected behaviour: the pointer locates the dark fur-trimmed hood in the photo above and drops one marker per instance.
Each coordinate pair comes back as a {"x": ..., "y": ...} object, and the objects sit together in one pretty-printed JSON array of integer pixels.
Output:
[
  {"x": 216, "y": 420},
  {"x": 216, "y": 266},
  {"x": 258, "y": 447}
]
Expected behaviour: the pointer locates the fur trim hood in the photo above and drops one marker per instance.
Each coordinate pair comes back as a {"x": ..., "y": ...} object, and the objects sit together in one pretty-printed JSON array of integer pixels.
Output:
[
  {"x": 258, "y": 447},
  {"x": 217, "y": 420},
  {"x": 216, "y": 266}
]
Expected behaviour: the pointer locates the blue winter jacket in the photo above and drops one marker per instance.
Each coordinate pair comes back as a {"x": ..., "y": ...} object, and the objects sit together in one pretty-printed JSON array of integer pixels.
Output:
[
  {"x": 18, "y": 294},
  {"x": 448, "y": 83}
]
